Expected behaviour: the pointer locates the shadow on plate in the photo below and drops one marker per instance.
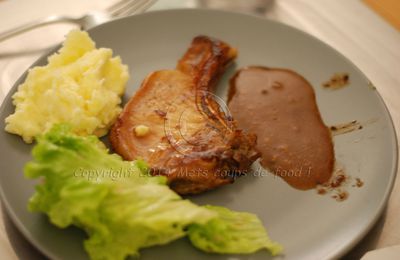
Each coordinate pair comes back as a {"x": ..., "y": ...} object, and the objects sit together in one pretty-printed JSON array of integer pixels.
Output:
[
  {"x": 22, "y": 248},
  {"x": 369, "y": 242}
]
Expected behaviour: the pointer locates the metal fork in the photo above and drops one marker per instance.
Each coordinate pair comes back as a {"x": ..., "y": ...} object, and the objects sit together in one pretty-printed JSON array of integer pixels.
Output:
[{"x": 119, "y": 9}]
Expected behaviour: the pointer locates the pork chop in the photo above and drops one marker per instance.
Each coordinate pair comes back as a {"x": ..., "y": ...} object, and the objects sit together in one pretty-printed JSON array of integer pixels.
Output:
[{"x": 191, "y": 140}]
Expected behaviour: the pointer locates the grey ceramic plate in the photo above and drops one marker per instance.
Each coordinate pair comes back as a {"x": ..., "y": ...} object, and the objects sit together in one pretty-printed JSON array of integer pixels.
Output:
[{"x": 310, "y": 226}]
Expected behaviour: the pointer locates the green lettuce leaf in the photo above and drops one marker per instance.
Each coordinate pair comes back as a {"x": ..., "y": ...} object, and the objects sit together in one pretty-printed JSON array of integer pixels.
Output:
[
  {"x": 122, "y": 207},
  {"x": 232, "y": 233},
  {"x": 120, "y": 213}
]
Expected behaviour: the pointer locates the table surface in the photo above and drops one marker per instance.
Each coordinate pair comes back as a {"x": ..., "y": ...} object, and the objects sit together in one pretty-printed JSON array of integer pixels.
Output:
[{"x": 365, "y": 38}]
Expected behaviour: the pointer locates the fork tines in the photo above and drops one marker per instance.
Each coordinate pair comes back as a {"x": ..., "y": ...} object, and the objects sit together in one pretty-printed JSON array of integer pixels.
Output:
[{"x": 126, "y": 7}]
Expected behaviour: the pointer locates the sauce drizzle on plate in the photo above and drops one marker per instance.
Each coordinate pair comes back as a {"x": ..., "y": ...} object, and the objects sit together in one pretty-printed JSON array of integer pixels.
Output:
[{"x": 279, "y": 106}]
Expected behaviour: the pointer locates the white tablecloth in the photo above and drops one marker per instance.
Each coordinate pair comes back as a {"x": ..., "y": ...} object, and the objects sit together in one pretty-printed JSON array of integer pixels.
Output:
[{"x": 348, "y": 25}]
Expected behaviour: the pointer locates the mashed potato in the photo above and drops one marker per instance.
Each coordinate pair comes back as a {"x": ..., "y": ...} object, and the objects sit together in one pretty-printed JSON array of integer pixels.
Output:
[{"x": 81, "y": 85}]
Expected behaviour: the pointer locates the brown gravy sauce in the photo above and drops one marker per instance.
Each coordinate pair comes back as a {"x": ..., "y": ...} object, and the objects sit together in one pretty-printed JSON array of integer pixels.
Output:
[
  {"x": 358, "y": 183},
  {"x": 337, "y": 81},
  {"x": 279, "y": 106},
  {"x": 345, "y": 128},
  {"x": 336, "y": 186}
]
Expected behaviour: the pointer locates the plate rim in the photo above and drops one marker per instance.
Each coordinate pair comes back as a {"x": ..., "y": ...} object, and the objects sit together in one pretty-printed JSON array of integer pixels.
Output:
[{"x": 340, "y": 251}]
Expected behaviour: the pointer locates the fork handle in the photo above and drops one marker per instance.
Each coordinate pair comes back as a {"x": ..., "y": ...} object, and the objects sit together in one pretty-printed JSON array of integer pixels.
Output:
[{"x": 38, "y": 23}]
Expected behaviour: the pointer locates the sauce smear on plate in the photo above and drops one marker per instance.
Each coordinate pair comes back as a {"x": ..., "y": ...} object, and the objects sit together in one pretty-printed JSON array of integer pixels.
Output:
[{"x": 279, "y": 106}]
